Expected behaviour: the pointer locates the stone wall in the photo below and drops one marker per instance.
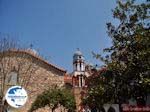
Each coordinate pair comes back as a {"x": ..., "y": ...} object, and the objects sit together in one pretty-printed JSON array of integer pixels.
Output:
[
  {"x": 78, "y": 97},
  {"x": 34, "y": 74}
]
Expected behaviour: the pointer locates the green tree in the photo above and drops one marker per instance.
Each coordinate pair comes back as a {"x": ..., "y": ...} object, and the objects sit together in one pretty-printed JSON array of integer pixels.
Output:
[
  {"x": 100, "y": 89},
  {"x": 129, "y": 55},
  {"x": 128, "y": 59},
  {"x": 54, "y": 97}
]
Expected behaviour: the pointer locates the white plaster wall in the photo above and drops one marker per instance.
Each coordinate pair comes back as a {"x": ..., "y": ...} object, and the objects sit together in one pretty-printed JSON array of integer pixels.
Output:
[{"x": 115, "y": 106}]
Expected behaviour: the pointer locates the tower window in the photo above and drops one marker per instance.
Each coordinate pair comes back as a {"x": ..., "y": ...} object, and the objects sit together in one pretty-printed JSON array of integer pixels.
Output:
[
  {"x": 80, "y": 67},
  {"x": 81, "y": 80},
  {"x": 76, "y": 66}
]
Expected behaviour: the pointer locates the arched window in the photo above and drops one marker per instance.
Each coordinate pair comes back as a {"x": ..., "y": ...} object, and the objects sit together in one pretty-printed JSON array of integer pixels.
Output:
[
  {"x": 111, "y": 109},
  {"x": 80, "y": 66},
  {"x": 81, "y": 80},
  {"x": 76, "y": 65},
  {"x": 12, "y": 78},
  {"x": 102, "y": 110}
]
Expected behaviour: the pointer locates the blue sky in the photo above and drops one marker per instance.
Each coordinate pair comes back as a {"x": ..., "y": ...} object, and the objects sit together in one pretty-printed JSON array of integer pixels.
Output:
[{"x": 58, "y": 27}]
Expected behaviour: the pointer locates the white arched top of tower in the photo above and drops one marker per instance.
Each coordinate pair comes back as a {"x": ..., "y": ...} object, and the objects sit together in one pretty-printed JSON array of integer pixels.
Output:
[
  {"x": 78, "y": 52},
  {"x": 78, "y": 56},
  {"x": 78, "y": 61}
]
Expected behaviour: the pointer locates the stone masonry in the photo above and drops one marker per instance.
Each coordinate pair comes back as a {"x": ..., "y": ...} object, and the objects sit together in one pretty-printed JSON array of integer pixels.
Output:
[{"x": 34, "y": 74}]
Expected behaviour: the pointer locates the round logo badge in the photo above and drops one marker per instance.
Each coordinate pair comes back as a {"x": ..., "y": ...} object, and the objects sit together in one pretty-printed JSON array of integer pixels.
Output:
[{"x": 16, "y": 96}]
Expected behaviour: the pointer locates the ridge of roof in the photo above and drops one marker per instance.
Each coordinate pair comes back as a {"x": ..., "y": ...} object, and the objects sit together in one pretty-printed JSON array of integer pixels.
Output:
[{"x": 38, "y": 58}]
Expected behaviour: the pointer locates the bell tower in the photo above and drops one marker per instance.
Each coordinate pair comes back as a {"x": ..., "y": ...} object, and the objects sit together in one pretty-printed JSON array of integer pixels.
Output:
[
  {"x": 78, "y": 61},
  {"x": 79, "y": 74}
]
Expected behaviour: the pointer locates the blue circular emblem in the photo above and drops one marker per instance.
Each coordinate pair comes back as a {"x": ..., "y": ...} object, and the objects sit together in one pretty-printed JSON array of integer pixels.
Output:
[{"x": 16, "y": 96}]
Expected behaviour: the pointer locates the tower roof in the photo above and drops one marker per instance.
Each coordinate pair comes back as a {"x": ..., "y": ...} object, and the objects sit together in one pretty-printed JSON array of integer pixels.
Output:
[{"x": 78, "y": 52}]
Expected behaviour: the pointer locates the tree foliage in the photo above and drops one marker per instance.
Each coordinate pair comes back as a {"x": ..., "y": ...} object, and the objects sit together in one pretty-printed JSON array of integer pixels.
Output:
[
  {"x": 128, "y": 58},
  {"x": 100, "y": 89},
  {"x": 54, "y": 97}
]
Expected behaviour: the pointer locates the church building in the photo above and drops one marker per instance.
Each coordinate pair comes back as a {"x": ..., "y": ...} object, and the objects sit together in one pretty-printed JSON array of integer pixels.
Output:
[{"x": 27, "y": 69}]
